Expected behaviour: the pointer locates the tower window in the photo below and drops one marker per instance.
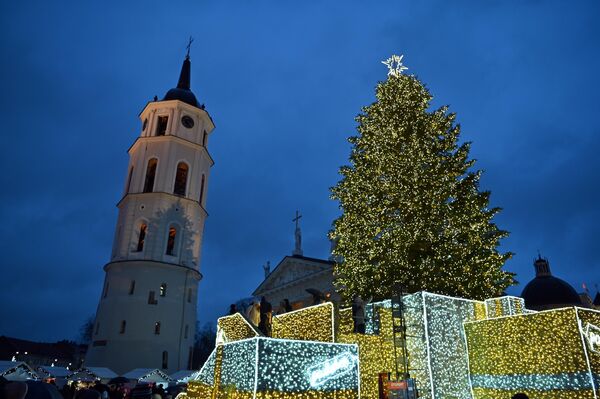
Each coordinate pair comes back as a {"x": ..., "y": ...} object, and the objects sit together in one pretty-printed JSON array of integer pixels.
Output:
[
  {"x": 97, "y": 329},
  {"x": 129, "y": 180},
  {"x": 123, "y": 325},
  {"x": 205, "y": 135},
  {"x": 150, "y": 175},
  {"x": 180, "y": 179},
  {"x": 105, "y": 292},
  {"x": 189, "y": 295},
  {"x": 163, "y": 289},
  {"x": 165, "y": 360},
  {"x": 141, "y": 239},
  {"x": 201, "y": 190},
  {"x": 157, "y": 328},
  {"x": 171, "y": 241},
  {"x": 131, "y": 287},
  {"x": 185, "y": 333},
  {"x": 152, "y": 298},
  {"x": 161, "y": 125}
]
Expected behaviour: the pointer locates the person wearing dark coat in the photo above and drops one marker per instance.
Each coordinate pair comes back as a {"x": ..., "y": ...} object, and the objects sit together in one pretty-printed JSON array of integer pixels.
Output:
[
  {"x": 232, "y": 309},
  {"x": 266, "y": 314},
  {"x": 358, "y": 314}
]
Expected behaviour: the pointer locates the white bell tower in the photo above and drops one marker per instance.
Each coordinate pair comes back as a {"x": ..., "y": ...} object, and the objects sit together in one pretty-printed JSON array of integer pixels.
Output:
[{"x": 146, "y": 316}]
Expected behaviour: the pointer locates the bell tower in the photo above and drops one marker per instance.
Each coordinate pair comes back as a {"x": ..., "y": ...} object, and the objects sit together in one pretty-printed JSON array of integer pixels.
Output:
[{"x": 146, "y": 315}]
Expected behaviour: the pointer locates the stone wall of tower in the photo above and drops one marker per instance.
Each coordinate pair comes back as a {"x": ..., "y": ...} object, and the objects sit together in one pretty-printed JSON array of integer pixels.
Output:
[{"x": 146, "y": 315}]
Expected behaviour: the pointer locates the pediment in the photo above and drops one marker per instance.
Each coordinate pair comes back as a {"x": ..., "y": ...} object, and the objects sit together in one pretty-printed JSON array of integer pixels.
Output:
[{"x": 291, "y": 269}]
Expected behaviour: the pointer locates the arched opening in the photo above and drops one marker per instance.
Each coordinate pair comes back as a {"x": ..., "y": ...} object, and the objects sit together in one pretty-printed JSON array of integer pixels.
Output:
[
  {"x": 123, "y": 326},
  {"x": 131, "y": 287},
  {"x": 171, "y": 241},
  {"x": 161, "y": 125},
  {"x": 157, "y": 328},
  {"x": 201, "y": 190},
  {"x": 150, "y": 175},
  {"x": 129, "y": 180},
  {"x": 181, "y": 179},
  {"x": 165, "y": 360},
  {"x": 141, "y": 237},
  {"x": 163, "y": 289}
]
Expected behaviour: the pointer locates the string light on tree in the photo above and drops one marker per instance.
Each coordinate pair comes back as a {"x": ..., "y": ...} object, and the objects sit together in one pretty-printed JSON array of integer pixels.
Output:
[{"x": 412, "y": 211}]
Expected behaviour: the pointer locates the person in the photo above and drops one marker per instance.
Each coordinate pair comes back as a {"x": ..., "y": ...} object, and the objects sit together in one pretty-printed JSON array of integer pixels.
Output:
[
  {"x": 87, "y": 394},
  {"x": 14, "y": 390},
  {"x": 266, "y": 315},
  {"x": 253, "y": 313},
  {"x": 232, "y": 309},
  {"x": 358, "y": 314},
  {"x": 68, "y": 390},
  {"x": 286, "y": 305}
]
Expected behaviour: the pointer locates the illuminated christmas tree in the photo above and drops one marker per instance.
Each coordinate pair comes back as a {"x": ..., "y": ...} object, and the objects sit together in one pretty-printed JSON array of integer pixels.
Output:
[{"x": 412, "y": 211}]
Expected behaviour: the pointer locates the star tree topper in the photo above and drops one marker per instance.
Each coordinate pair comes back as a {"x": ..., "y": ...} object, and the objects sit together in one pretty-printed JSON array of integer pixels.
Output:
[{"x": 394, "y": 64}]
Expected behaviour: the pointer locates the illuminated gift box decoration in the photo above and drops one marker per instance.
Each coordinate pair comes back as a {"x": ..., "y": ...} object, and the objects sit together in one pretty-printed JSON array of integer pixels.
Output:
[
  {"x": 552, "y": 354},
  {"x": 276, "y": 368},
  {"x": 456, "y": 348}
]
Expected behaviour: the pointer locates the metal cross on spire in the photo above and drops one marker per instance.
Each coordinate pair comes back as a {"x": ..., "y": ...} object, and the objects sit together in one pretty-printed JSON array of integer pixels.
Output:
[
  {"x": 297, "y": 236},
  {"x": 189, "y": 46},
  {"x": 297, "y": 218}
]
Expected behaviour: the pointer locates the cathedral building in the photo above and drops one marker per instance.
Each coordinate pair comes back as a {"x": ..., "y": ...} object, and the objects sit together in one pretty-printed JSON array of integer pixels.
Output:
[
  {"x": 297, "y": 278},
  {"x": 146, "y": 315}
]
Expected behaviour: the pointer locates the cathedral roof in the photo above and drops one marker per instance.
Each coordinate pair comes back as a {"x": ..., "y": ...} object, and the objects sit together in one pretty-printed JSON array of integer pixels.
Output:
[
  {"x": 281, "y": 276},
  {"x": 182, "y": 92},
  {"x": 546, "y": 291},
  {"x": 597, "y": 299}
]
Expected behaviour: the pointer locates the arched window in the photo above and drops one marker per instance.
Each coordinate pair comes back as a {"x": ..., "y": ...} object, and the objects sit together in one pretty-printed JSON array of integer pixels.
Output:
[
  {"x": 161, "y": 125},
  {"x": 131, "y": 287},
  {"x": 171, "y": 241},
  {"x": 141, "y": 237},
  {"x": 129, "y": 180},
  {"x": 201, "y": 190},
  {"x": 163, "y": 289},
  {"x": 165, "y": 360},
  {"x": 185, "y": 334},
  {"x": 123, "y": 326},
  {"x": 157, "y": 328},
  {"x": 190, "y": 357},
  {"x": 105, "y": 292},
  {"x": 180, "y": 179},
  {"x": 150, "y": 175}
]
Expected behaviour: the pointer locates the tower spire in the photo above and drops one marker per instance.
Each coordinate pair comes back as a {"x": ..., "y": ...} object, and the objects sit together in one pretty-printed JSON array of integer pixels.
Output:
[{"x": 184, "y": 76}]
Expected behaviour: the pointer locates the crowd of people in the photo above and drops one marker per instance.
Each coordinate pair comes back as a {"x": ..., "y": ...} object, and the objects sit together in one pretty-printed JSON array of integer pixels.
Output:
[{"x": 76, "y": 390}]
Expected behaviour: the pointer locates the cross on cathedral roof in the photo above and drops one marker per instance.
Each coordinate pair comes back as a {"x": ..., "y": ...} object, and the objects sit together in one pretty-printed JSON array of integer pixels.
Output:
[{"x": 297, "y": 235}]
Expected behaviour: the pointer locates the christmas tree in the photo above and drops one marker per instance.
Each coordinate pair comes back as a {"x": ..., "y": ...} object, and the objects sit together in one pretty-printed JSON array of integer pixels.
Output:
[{"x": 412, "y": 211}]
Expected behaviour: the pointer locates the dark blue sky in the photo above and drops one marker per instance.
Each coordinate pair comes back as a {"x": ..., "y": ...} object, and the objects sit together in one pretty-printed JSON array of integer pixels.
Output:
[{"x": 283, "y": 82}]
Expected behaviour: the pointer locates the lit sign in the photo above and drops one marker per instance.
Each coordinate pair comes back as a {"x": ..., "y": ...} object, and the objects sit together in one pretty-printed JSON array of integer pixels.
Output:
[
  {"x": 592, "y": 333},
  {"x": 332, "y": 368}
]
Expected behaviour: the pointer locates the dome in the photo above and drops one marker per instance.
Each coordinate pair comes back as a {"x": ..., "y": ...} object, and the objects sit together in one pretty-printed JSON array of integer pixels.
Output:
[
  {"x": 546, "y": 291},
  {"x": 182, "y": 92},
  {"x": 182, "y": 95}
]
